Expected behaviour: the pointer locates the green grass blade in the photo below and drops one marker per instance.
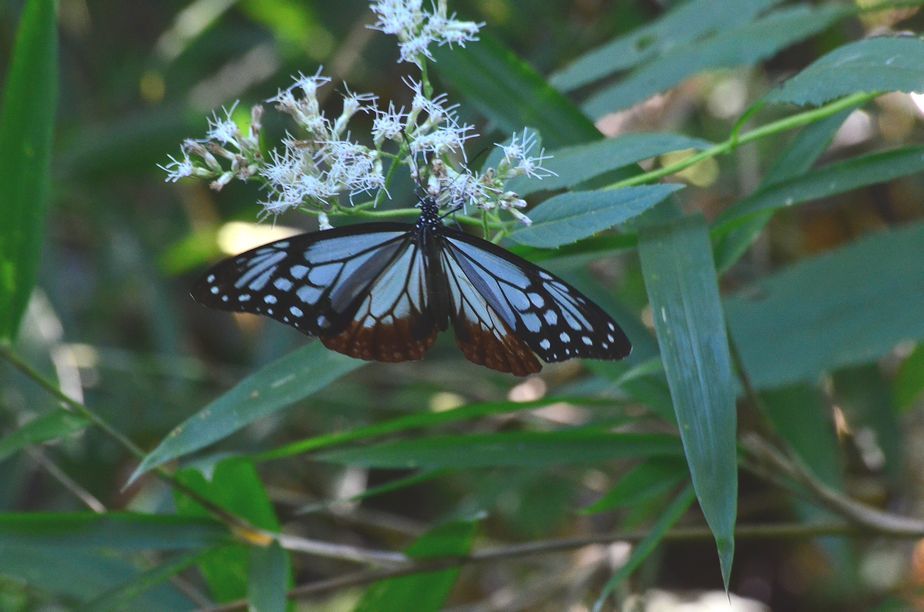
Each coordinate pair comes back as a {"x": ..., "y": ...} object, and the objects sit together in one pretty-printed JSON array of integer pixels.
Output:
[
  {"x": 27, "y": 118},
  {"x": 525, "y": 449},
  {"x": 269, "y": 578},
  {"x": 51, "y": 426},
  {"x": 681, "y": 281},
  {"x": 643, "y": 549}
]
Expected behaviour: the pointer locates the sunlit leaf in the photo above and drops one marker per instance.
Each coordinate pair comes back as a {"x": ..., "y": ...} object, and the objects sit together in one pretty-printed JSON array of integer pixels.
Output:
[
  {"x": 909, "y": 381},
  {"x": 875, "y": 64},
  {"x": 27, "y": 118},
  {"x": 681, "y": 281}
]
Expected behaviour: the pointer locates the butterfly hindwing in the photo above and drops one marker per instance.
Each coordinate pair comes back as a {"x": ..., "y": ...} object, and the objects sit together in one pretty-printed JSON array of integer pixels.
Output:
[
  {"x": 483, "y": 335},
  {"x": 393, "y": 319},
  {"x": 553, "y": 318}
]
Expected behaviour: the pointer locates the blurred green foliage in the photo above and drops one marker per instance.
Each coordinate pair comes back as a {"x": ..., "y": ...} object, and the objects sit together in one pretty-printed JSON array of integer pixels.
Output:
[{"x": 816, "y": 229}]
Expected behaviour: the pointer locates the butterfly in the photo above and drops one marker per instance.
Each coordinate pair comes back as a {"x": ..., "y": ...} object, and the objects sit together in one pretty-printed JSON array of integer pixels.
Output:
[{"x": 384, "y": 291}]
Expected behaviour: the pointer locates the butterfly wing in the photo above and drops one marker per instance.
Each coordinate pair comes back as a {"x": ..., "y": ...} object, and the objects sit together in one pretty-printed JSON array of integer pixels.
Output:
[
  {"x": 552, "y": 318},
  {"x": 483, "y": 335},
  {"x": 357, "y": 287}
]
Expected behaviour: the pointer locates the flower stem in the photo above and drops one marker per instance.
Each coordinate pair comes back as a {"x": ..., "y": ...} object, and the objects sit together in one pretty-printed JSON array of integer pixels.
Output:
[{"x": 736, "y": 139}]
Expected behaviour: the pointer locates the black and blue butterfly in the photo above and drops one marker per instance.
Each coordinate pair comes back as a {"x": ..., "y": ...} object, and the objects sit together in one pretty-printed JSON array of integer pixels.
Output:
[{"x": 383, "y": 291}]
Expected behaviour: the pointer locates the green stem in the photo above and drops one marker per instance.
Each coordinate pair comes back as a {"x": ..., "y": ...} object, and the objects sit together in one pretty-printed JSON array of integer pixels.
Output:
[{"x": 736, "y": 139}]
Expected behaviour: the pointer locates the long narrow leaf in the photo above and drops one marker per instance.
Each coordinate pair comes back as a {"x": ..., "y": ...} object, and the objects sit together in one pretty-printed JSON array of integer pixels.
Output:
[
  {"x": 123, "y": 596},
  {"x": 27, "y": 117},
  {"x": 510, "y": 92},
  {"x": 573, "y": 216},
  {"x": 847, "y": 307},
  {"x": 530, "y": 449},
  {"x": 51, "y": 426},
  {"x": 276, "y": 386},
  {"x": 681, "y": 281},
  {"x": 875, "y": 64},
  {"x": 740, "y": 46},
  {"x": 688, "y": 22}
]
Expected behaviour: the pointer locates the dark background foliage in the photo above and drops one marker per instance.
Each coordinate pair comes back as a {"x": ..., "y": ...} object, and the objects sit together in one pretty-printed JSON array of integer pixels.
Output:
[{"x": 112, "y": 322}]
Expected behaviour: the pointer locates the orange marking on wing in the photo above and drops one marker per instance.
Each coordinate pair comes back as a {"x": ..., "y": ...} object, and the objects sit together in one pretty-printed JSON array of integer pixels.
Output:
[
  {"x": 391, "y": 343},
  {"x": 481, "y": 346}
]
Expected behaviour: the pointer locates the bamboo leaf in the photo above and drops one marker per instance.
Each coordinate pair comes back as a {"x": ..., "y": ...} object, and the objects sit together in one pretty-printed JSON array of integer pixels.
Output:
[
  {"x": 27, "y": 118},
  {"x": 280, "y": 384},
  {"x": 532, "y": 449},
  {"x": 491, "y": 76},
  {"x": 48, "y": 427},
  {"x": 871, "y": 65},
  {"x": 570, "y": 217},
  {"x": 681, "y": 281}
]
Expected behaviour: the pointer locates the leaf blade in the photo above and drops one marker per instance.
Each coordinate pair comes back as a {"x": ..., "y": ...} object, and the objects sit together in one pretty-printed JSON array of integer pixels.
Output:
[
  {"x": 681, "y": 281},
  {"x": 289, "y": 379},
  {"x": 27, "y": 116},
  {"x": 572, "y": 216}
]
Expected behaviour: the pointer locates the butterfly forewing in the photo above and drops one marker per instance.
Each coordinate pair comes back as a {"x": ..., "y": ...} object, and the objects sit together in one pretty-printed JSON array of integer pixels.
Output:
[
  {"x": 553, "y": 318},
  {"x": 312, "y": 282}
]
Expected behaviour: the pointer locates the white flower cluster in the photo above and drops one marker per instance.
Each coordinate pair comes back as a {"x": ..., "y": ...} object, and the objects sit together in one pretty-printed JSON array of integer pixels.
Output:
[
  {"x": 417, "y": 28},
  {"x": 323, "y": 163}
]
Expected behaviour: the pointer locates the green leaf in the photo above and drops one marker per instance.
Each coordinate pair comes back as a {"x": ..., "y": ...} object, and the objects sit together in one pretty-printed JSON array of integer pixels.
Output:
[
  {"x": 801, "y": 417},
  {"x": 909, "y": 382},
  {"x": 269, "y": 578},
  {"x": 796, "y": 159},
  {"x": 236, "y": 487},
  {"x": 51, "y": 426},
  {"x": 645, "y": 481},
  {"x": 879, "y": 167},
  {"x": 688, "y": 22},
  {"x": 27, "y": 118},
  {"x": 510, "y": 92},
  {"x": 741, "y": 46},
  {"x": 643, "y": 549},
  {"x": 417, "y": 421},
  {"x": 569, "y": 217},
  {"x": 531, "y": 449},
  {"x": 125, "y": 596},
  {"x": 681, "y": 281},
  {"x": 82, "y": 574},
  {"x": 428, "y": 591},
  {"x": 574, "y": 165},
  {"x": 847, "y": 307},
  {"x": 280, "y": 384},
  {"x": 871, "y": 65},
  {"x": 113, "y": 530}
]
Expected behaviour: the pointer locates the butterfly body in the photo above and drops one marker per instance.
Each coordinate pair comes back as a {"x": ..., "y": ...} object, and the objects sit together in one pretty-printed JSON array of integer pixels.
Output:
[{"x": 384, "y": 291}]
